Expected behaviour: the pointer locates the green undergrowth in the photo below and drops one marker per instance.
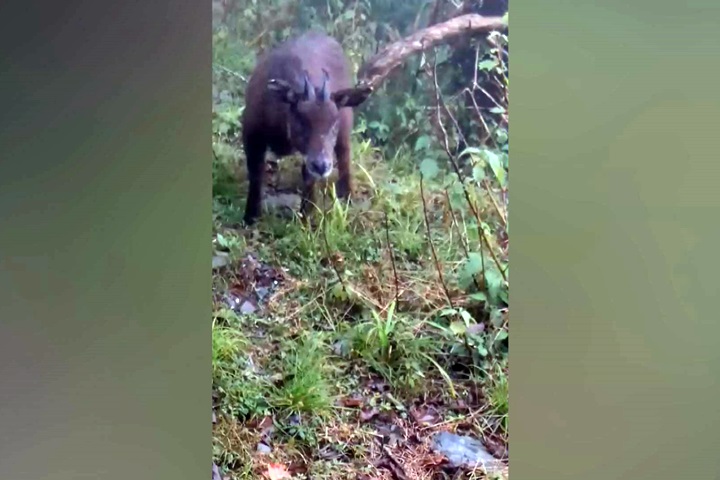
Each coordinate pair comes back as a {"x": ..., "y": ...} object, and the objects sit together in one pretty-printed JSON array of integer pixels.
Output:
[{"x": 363, "y": 301}]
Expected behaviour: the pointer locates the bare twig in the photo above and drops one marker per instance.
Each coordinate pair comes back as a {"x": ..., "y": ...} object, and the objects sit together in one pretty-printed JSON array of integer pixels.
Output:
[
  {"x": 392, "y": 465},
  {"x": 482, "y": 266},
  {"x": 492, "y": 253},
  {"x": 461, "y": 177},
  {"x": 392, "y": 259},
  {"x": 232, "y": 73},
  {"x": 477, "y": 60},
  {"x": 476, "y": 107},
  {"x": 503, "y": 219},
  {"x": 489, "y": 96},
  {"x": 432, "y": 245},
  {"x": 463, "y": 242}
]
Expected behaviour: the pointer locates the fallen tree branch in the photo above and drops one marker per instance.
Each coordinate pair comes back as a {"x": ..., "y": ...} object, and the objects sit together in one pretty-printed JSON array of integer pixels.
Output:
[{"x": 374, "y": 71}]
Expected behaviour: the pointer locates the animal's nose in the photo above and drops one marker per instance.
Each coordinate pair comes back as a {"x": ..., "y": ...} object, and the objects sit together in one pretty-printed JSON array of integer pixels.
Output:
[{"x": 320, "y": 167}]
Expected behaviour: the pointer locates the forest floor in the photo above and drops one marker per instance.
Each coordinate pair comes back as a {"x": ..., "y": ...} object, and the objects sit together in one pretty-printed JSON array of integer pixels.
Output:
[{"x": 336, "y": 352}]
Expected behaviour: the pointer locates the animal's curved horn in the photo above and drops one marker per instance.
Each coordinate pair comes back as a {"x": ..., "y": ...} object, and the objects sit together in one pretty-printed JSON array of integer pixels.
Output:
[
  {"x": 309, "y": 89},
  {"x": 324, "y": 92}
]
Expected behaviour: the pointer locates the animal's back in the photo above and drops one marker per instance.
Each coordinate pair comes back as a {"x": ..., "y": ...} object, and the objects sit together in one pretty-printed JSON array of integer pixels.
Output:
[{"x": 311, "y": 51}]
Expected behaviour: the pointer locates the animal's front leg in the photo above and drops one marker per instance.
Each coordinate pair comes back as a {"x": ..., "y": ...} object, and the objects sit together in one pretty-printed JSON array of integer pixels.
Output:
[
  {"x": 308, "y": 193},
  {"x": 256, "y": 176}
]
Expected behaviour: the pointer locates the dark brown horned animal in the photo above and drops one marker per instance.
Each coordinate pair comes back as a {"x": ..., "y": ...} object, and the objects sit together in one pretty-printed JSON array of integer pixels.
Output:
[{"x": 300, "y": 99}]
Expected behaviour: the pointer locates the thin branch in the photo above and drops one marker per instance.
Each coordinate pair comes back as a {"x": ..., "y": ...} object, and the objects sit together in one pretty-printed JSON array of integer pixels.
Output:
[
  {"x": 446, "y": 146},
  {"x": 492, "y": 253},
  {"x": 432, "y": 245},
  {"x": 476, "y": 107},
  {"x": 490, "y": 96},
  {"x": 392, "y": 259},
  {"x": 494, "y": 202},
  {"x": 232, "y": 73},
  {"x": 463, "y": 242},
  {"x": 482, "y": 266},
  {"x": 461, "y": 177},
  {"x": 477, "y": 61}
]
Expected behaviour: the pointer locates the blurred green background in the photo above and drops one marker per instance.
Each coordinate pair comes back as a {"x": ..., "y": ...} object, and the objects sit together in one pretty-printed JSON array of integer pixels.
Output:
[{"x": 106, "y": 190}]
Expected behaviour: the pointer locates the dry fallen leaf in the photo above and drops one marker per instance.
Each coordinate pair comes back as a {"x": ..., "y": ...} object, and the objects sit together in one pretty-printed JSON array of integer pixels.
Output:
[
  {"x": 276, "y": 471},
  {"x": 352, "y": 402}
]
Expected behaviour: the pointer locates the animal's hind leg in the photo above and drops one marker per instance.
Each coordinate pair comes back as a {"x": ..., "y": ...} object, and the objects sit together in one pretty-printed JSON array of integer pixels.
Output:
[
  {"x": 256, "y": 176},
  {"x": 343, "y": 186}
]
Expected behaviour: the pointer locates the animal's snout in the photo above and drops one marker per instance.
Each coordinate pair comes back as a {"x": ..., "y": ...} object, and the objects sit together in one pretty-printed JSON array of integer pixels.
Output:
[{"x": 320, "y": 166}]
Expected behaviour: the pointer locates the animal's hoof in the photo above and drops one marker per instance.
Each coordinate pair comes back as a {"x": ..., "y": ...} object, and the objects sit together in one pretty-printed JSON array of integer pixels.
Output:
[
  {"x": 344, "y": 198},
  {"x": 342, "y": 192}
]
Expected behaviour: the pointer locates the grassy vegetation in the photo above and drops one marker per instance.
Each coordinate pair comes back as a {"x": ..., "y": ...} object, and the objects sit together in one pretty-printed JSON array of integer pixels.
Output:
[{"x": 385, "y": 315}]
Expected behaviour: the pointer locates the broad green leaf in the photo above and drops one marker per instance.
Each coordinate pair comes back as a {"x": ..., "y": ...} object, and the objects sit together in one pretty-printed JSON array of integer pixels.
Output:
[
  {"x": 479, "y": 172},
  {"x": 503, "y": 296},
  {"x": 479, "y": 296},
  {"x": 487, "y": 64},
  {"x": 422, "y": 142},
  {"x": 492, "y": 159},
  {"x": 501, "y": 135},
  {"x": 338, "y": 292},
  {"x": 471, "y": 151},
  {"x": 429, "y": 168},
  {"x": 495, "y": 163},
  {"x": 473, "y": 265},
  {"x": 466, "y": 316},
  {"x": 496, "y": 318},
  {"x": 494, "y": 282},
  {"x": 458, "y": 327}
]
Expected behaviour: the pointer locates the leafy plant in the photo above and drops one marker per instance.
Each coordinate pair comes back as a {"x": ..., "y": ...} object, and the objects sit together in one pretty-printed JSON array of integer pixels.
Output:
[
  {"x": 305, "y": 386},
  {"x": 390, "y": 344}
]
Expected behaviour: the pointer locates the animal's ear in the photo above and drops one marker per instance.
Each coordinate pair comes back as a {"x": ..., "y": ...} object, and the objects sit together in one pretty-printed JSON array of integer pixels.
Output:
[
  {"x": 283, "y": 90},
  {"x": 351, "y": 97}
]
